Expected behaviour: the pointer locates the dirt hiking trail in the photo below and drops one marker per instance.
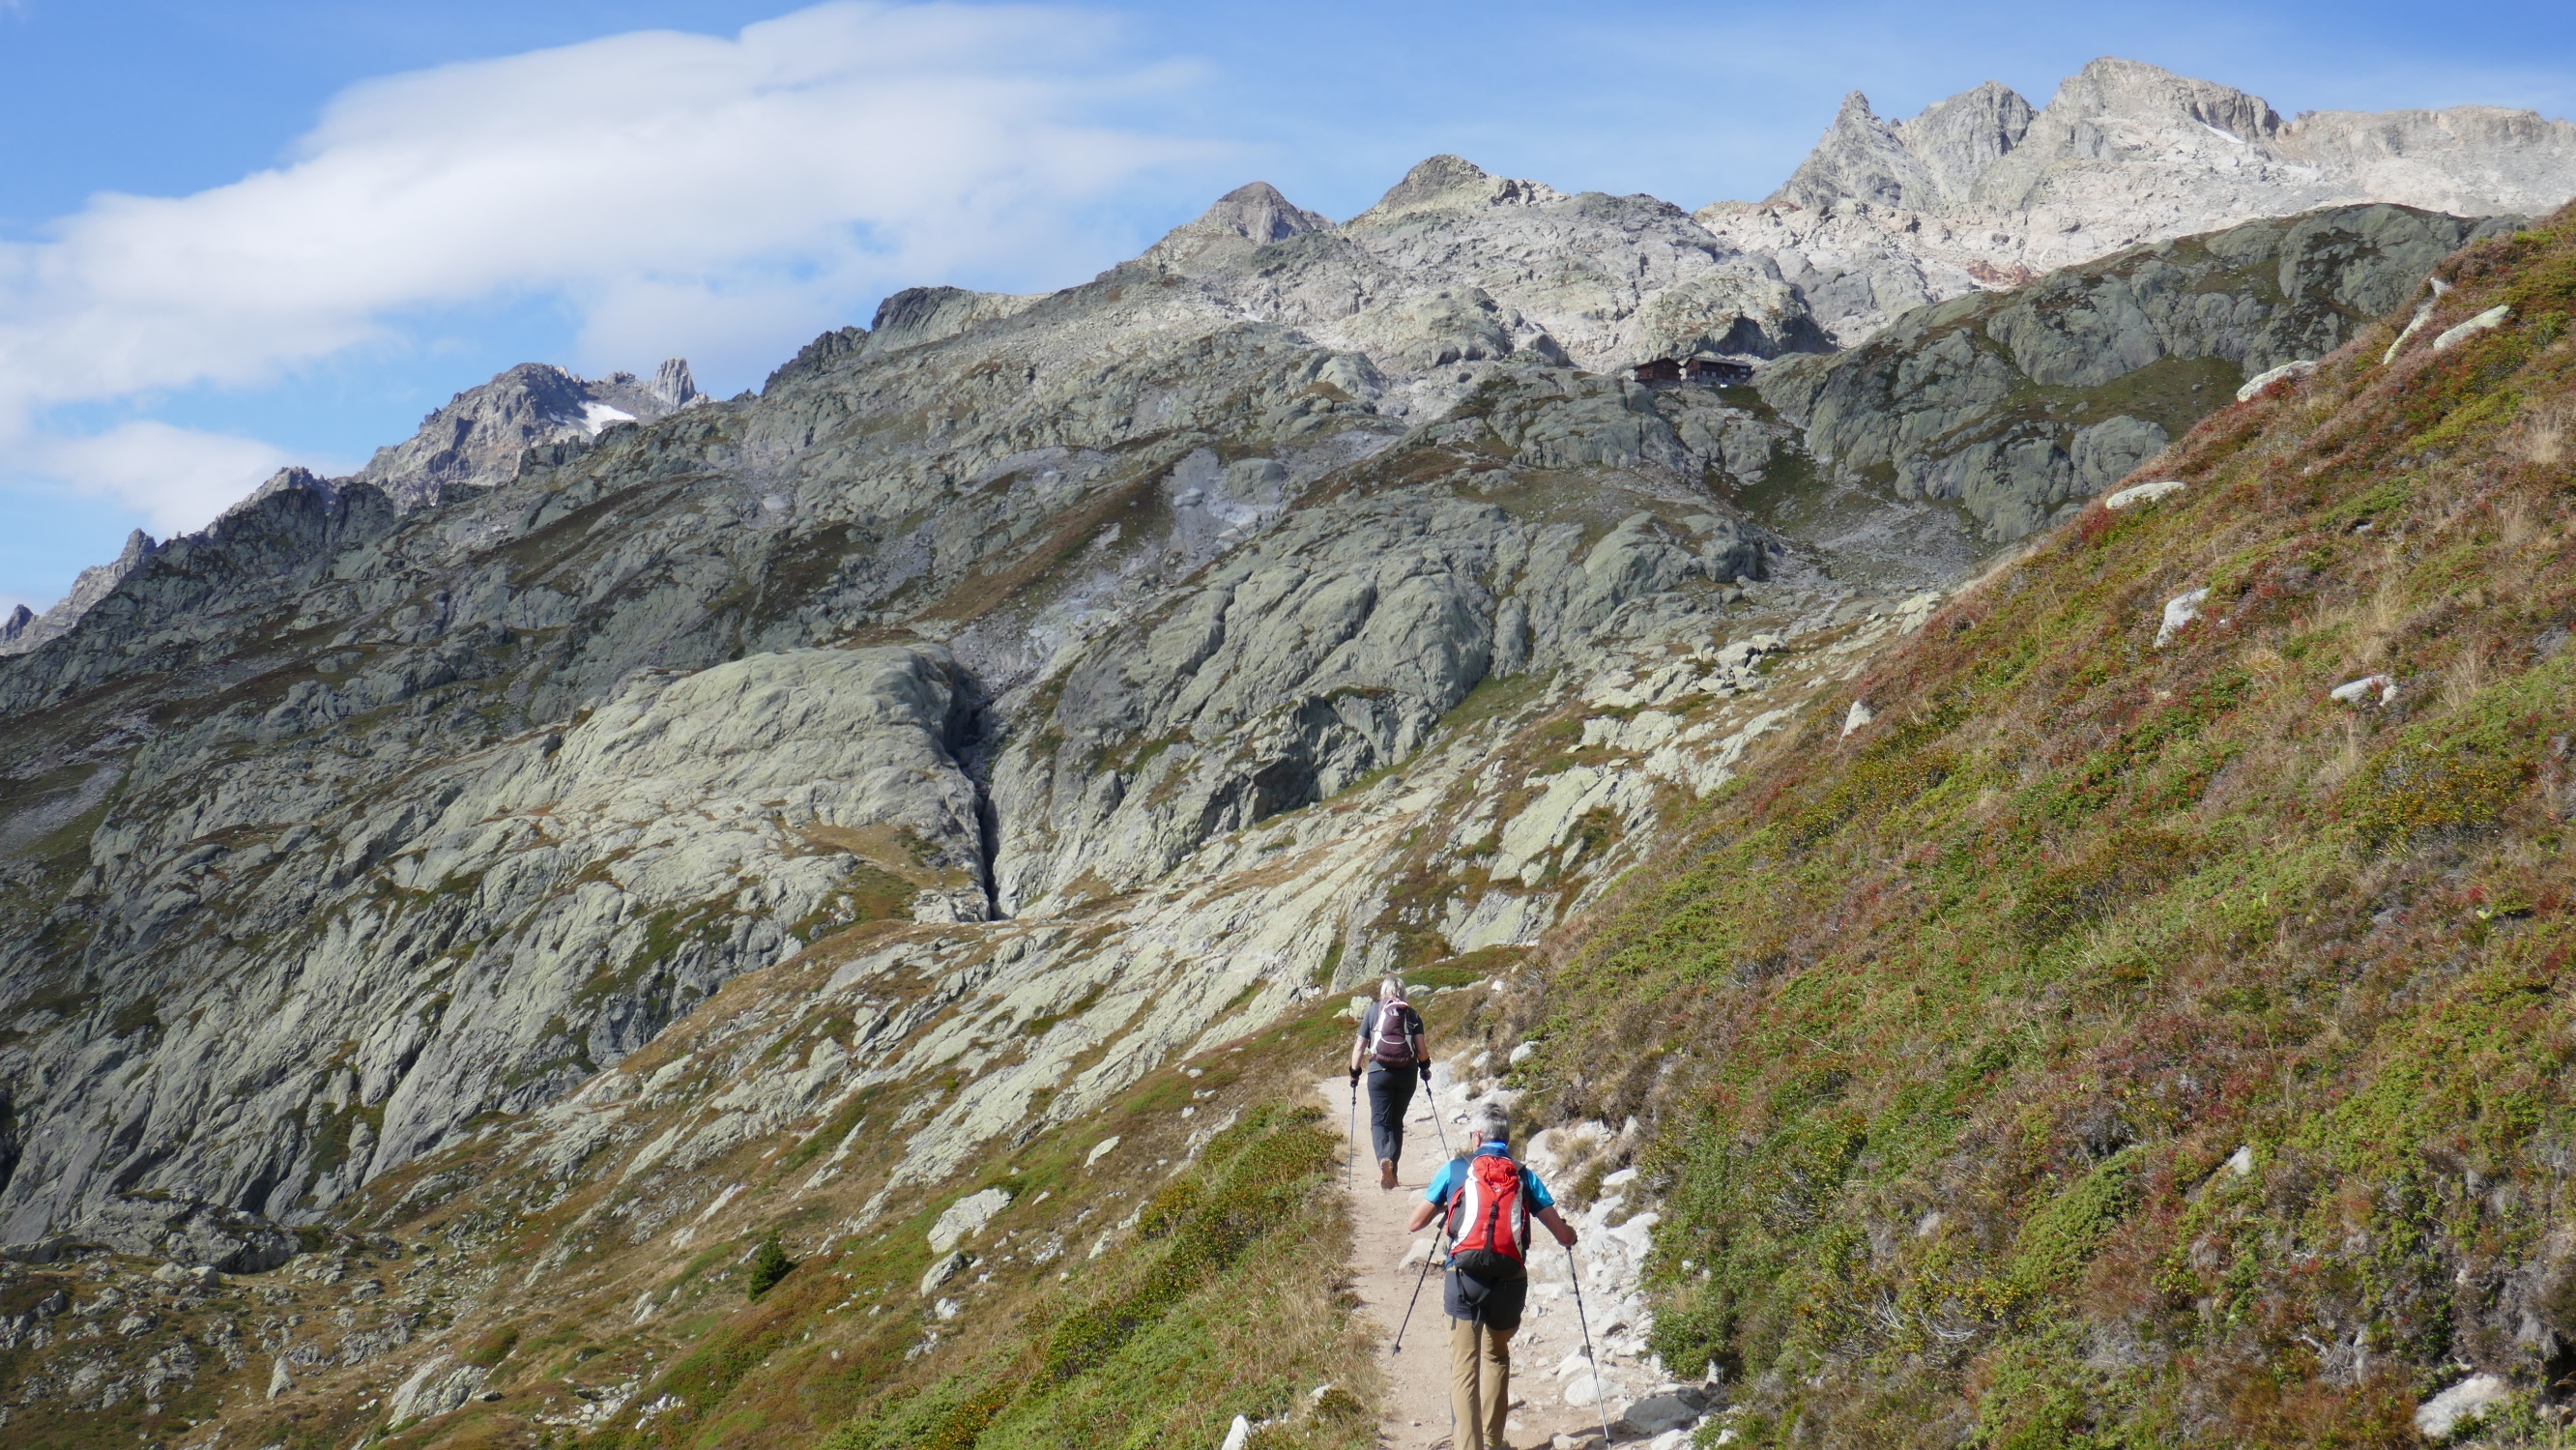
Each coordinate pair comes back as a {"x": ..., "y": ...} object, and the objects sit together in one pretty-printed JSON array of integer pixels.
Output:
[{"x": 1417, "y": 1414}]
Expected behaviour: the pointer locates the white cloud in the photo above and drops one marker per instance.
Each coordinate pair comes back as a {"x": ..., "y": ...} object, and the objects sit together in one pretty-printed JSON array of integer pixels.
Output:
[
  {"x": 677, "y": 191},
  {"x": 176, "y": 479}
]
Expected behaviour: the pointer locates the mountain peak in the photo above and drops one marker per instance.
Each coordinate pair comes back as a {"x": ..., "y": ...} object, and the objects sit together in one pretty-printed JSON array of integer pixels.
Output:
[
  {"x": 25, "y": 629},
  {"x": 478, "y": 438},
  {"x": 1860, "y": 158},
  {"x": 1257, "y": 212},
  {"x": 1956, "y": 140},
  {"x": 2111, "y": 86},
  {"x": 1453, "y": 183},
  {"x": 2126, "y": 151},
  {"x": 1252, "y": 215},
  {"x": 672, "y": 386}
]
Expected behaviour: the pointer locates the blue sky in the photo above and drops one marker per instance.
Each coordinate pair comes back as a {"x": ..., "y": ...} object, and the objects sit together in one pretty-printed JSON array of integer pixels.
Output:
[{"x": 282, "y": 230}]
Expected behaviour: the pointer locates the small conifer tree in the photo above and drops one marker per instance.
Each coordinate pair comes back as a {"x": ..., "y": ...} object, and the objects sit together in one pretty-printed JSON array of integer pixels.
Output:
[{"x": 769, "y": 1264}]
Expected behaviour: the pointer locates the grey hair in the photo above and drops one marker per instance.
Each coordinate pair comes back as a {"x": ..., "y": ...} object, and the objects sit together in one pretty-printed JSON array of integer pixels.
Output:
[
  {"x": 1388, "y": 988},
  {"x": 1490, "y": 1123}
]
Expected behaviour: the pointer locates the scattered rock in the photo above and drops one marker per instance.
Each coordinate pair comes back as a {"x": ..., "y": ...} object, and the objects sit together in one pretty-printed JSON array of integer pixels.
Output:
[
  {"x": 2438, "y": 1416},
  {"x": 2138, "y": 493},
  {"x": 2180, "y": 610},
  {"x": 190, "y": 1231},
  {"x": 2453, "y": 337},
  {"x": 1856, "y": 717},
  {"x": 1237, "y": 1433},
  {"x": 966, "y": 1217},
  {"x": 1669, "y": 1408},
  {"x": 944, "y": 1269},
  {"x": 2414, "y": 325},
  {"x": 435, "y": 1388},
  {"x": 688, "y": 767},
  {"x": 2266, "y": 378},
  {"x": 2353, "y": 692},
  {"x": 1591, "y": 1389}
]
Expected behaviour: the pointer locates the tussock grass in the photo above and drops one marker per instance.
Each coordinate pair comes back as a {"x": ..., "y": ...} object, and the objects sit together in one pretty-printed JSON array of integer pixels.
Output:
[{"x": 1227, "y": 1303}]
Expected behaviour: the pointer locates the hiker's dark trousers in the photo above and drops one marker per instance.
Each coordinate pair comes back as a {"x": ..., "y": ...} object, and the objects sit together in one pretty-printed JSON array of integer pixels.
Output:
[{"x": 1390, "y": 1095}]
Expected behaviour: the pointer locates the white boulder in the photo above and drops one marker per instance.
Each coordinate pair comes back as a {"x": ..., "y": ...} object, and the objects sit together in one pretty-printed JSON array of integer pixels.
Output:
[
  {"x": 2354, "y": 692},
  {"x": 2492, "y": 317},
  {"x": 2438, "y": 1416},
  {"x": 2180, "y": 610},
  {"x": 2268, "y": 377},
  {"x": 967, "y": 1217},
  {"x": 435, "y": 1388},
  {"x": 2138, "y": 493}
]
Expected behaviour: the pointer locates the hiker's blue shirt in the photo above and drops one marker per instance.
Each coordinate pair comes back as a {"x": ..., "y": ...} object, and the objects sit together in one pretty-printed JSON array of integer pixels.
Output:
[{"x": 1453, "y": 1174}]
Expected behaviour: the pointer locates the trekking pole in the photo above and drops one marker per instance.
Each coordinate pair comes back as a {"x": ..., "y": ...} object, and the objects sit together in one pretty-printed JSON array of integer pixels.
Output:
[
  {"x": 1351, "y": 1158},
  {"x": 1434, "y": 1096},
  {"x": 1589, "y": 1357},
  {"x": 1424, "y": 1278}
]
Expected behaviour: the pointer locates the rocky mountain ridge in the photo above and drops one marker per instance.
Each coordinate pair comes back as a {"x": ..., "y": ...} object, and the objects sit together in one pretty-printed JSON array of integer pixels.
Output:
[
  {"x": 479, "y": 437},
  {"x": 25, "y": 629},
  {"x": 1981, "y": 189}
]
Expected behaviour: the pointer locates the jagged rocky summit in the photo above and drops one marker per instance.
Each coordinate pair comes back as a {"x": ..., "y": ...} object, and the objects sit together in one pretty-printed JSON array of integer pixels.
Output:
[
  {"x": 1023, "y": 691},
  {"x": 479, "y": 438},
  {"x": 25, "y": 629},
  {"x": 1981, "y": 189}
]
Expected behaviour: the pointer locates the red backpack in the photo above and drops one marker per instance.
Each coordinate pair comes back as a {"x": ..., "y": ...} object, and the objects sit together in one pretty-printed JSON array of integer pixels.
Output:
[
  {"x": 1489, "y": 1220},
  {"x": 1394, "y": 1045}
]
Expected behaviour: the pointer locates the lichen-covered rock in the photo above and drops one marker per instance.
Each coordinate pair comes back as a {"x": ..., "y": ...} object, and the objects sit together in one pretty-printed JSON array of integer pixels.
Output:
[
  {"x": 966, "y": 1218},
  {"x": 191, "y": 1232},
  {"x": 1969, "y": 400},
  {"x": 436, "y": 1387}
]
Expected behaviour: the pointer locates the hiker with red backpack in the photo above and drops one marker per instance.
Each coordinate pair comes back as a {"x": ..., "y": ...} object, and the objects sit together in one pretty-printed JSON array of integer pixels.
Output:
[
  {"x": 1390, "y": 1050},
  {"x": 1489, "y": 1200}
]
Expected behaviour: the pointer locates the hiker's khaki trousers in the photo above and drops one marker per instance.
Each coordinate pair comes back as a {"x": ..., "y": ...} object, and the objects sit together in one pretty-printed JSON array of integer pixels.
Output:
[{"x": 1480, "y": 1382}]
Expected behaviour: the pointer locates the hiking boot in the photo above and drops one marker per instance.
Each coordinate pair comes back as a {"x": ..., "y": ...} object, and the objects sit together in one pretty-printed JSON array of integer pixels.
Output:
[{"x": 1386, "y": 1173}]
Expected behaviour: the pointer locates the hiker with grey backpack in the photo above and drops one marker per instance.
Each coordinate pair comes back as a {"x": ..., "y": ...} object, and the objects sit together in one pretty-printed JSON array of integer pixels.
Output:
[
  {"x": 1389, "y": 1050},
  {"x": 1489, "y": 1201}
]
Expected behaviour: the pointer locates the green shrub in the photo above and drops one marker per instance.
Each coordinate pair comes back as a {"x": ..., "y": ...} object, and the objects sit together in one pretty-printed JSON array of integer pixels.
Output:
[{"x": 769, "y": 1264}]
